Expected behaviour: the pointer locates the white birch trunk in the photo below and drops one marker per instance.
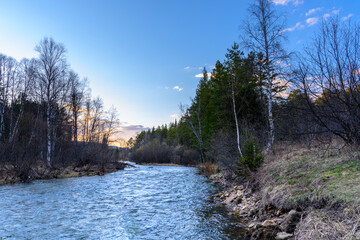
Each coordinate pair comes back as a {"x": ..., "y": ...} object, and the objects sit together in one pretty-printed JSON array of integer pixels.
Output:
[
  {"x": 270, "y": 117},
  {"x": 48, "y": 140},
  {"x": 236, "y": 120},
  {"x": 16, "y": 126},
  {"x": 199, "y": 140}
]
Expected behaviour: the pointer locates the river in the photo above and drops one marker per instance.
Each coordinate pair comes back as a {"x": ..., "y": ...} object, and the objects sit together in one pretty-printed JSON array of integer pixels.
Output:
[{"x": 144, "y": 202}]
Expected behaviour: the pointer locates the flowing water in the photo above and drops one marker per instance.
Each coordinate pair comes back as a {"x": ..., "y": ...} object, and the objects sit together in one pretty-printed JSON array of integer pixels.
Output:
[{"x": 145, "y": 202}]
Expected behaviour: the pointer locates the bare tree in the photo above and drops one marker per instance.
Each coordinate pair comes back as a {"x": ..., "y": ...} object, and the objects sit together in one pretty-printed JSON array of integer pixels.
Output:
[
  {"x": 26, "y": 77},
  {"x": 7, "y": 87},
  {"x": 264, "y": 32},
  {"x": 112, "y": 125},
  {"x": 51, "y": 73},
  {"x": 96, "y": 125},
  {"x": 195, "y": 113},
  {"x": 76, "y": 100},
  {"x": 329, "y": 77},
  {"x": 194, "y": 125}
]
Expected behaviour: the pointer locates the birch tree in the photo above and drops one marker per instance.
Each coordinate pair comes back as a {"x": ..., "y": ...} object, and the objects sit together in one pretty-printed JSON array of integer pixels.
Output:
[
  {"x": 51, "y": 73},
  {"x": 233, "y": 63},
  {"x": 263, "y": 32},
  {"x": 3, "y": 95},
  {"x": 26, "y": 77}
]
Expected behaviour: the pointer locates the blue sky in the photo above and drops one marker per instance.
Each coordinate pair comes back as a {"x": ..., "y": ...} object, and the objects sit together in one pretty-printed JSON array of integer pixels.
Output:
[{"x": 142, "y": 56}]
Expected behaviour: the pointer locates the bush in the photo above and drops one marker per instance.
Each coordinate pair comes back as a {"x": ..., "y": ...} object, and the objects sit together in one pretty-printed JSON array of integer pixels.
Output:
[{"x": 252, "y": 158}]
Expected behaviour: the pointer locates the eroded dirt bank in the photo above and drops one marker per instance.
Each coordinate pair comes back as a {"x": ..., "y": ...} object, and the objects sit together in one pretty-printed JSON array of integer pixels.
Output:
[
  {"x": 10, "y": 173},
  {"x": 302, "y": 194}
]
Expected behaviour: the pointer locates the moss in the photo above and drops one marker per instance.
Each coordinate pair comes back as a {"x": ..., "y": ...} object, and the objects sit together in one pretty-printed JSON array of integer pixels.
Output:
[{"x": 313, "y": 174}]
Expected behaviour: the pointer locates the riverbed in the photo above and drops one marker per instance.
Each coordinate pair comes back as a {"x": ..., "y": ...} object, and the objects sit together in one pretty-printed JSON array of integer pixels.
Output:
[{"x": 143, "y": 202}]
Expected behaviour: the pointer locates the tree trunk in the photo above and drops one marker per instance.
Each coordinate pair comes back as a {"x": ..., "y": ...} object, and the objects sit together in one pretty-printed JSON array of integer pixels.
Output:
[
  {"x": 2, "y": 113},
  {"x": 236, "y": 120},
  {"x": 75, "y": 127},
  {"x": 270, "y": 117},
  {"x": 16, "y": 126},
  {"x": 48, "y": 121}
]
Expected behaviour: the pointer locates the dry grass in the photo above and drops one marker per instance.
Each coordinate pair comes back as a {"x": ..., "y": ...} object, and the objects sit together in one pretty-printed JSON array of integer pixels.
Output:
[
  {"x": 324, "y": 181},
  {"x": 322, "y": 224},
  {"x": 297, "y": 176},
  {"x": 207, "y": 168}
]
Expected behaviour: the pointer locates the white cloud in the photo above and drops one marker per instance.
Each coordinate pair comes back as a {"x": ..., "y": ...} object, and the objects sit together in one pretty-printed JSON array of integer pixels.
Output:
[
  {"x": 175, "y": 116},
  {"x": 311, "y": 11},
  {"x": 312, "y": 21},
  {"x": 299, "y": 41},
  {"x": 347, "y": 17},
  {"x": 187, "y": 68},
  {"x": 177, "y": 88},
  {"x": 200, "y": 75},
  {"x": 298, "y": 2},
  {"x": 298, "y": 25},
  {"x": 326, "y": 15},
  {"x": 335, "y": 12},
  {"x": 128, "y": 130},
  {"x": 166, "y": 88},
  {"x": 285, "y": 2}
]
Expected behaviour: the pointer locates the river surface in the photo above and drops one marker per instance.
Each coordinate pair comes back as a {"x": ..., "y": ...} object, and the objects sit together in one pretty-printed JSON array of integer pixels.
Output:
[{"x": 145, "y": 202}]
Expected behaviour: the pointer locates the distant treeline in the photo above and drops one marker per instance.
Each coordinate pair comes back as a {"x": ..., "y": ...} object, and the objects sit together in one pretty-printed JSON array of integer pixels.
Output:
[
  {"x": 162, "y": 145},
  {"x": 47, "y": 113},
  {"x": 251, "y": 101}
]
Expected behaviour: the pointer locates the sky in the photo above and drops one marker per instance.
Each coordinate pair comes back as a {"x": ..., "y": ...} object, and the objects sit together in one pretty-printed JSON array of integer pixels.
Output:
[{"x": 144, "y": 57}]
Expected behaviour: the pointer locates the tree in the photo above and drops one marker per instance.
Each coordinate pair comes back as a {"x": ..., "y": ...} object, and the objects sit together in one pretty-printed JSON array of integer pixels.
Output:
[
  {"x": 112, "y": 124},
  {"x": 264, "y": 33},
  {"x": 27, "y": 78},
  {"x": 328, "y": 74},
  {"x": 195, "y": 113},
  {"x": 52, "y": 73},
  {"x": 76, "y": 100},
  {"x": 233, "y": 62}
]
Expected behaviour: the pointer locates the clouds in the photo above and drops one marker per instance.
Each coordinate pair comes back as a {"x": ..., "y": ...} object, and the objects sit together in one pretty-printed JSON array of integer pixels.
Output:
[
  {"x": 285, "y": 2},
  {"x": 175, "y": 116},
  {"x": 200, "y": 75},
  {"x": 347, "y": 17},
  {"x": 326, "y": 15},
  {"x": 332, "y": 13},
  {"x": 335, "y": 12},
  {"x": 207, "y": 66},
  {"x": 298, "y": 25},
  {"x": 177, "y": 88},
  {"x": 312, "y": 21},
  {"x": 311, "y": 11},
  {"x": 128, "y": 130}
]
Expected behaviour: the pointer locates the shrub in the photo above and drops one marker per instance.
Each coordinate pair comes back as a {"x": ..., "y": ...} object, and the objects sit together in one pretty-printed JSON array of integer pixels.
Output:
[{"x": 252, "y": 158}]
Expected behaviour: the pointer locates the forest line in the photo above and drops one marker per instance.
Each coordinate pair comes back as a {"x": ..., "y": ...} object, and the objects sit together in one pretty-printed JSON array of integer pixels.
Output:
[{"x": 47, "y": 114}]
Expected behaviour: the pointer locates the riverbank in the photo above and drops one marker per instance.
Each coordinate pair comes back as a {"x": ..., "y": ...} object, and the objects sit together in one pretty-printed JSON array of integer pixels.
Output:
[
  {"x": 298, "y": 193},
  {"x": 10, "y": 173}
]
